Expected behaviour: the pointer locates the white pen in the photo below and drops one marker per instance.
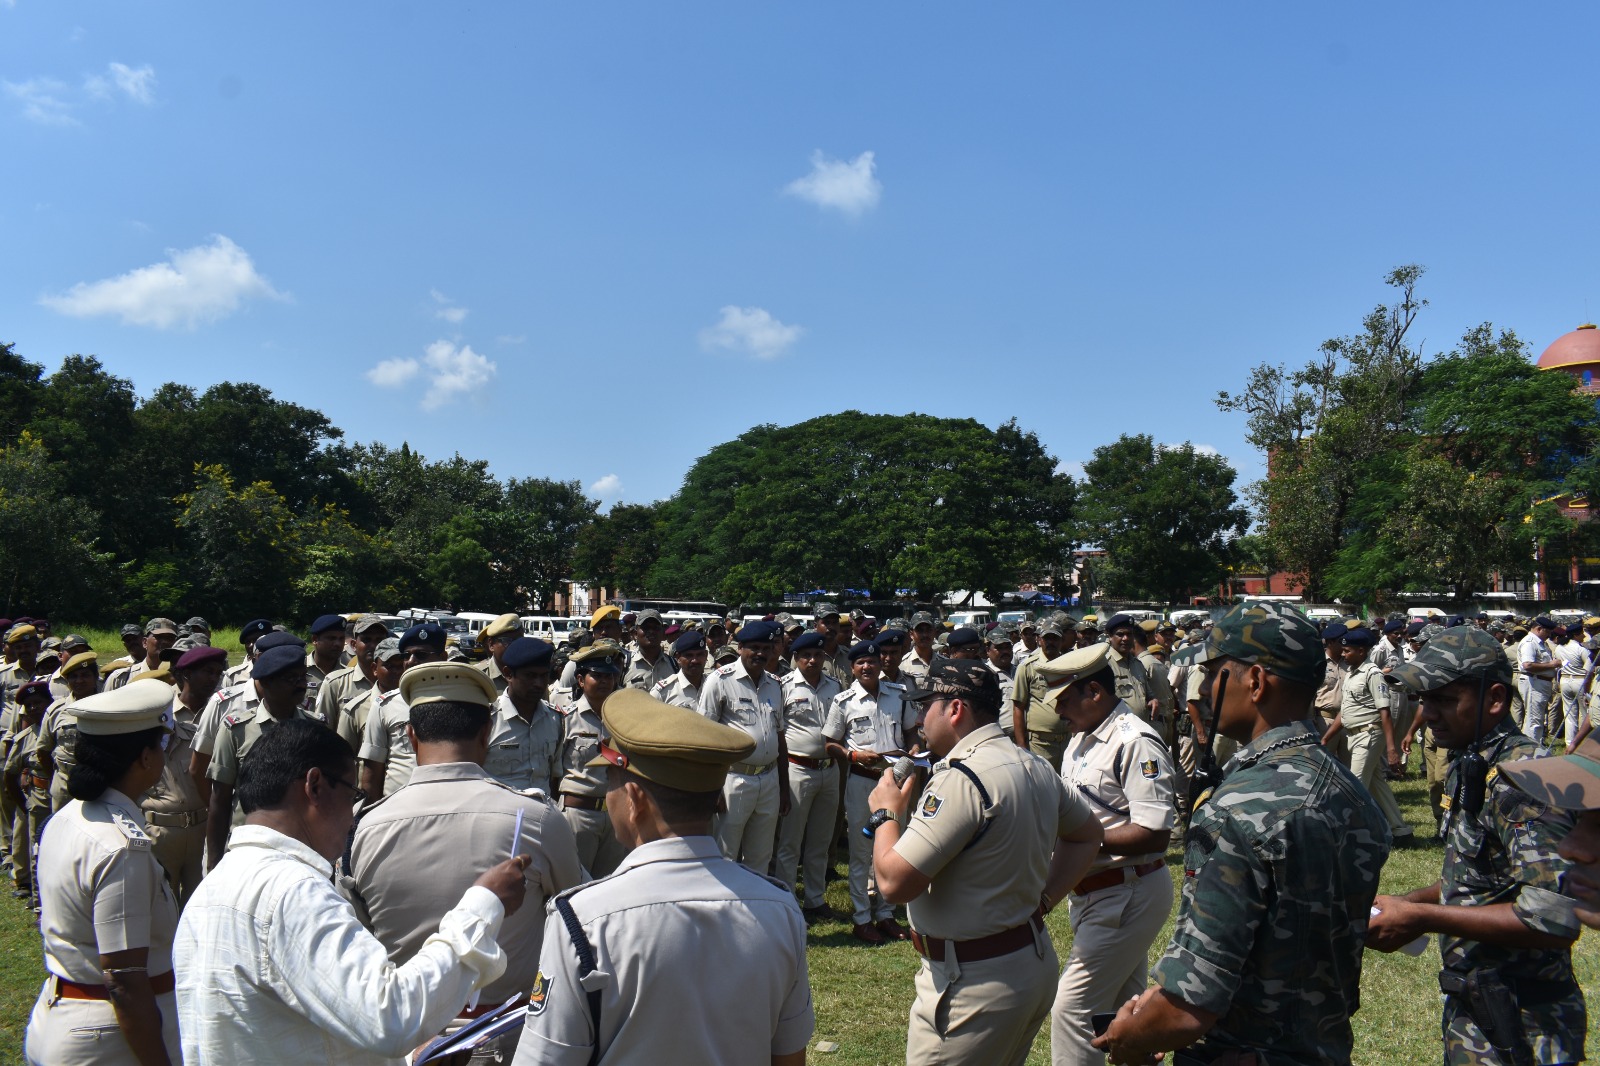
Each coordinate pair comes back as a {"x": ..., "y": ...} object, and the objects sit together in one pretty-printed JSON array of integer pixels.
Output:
[{"x": 516, "y": 834}]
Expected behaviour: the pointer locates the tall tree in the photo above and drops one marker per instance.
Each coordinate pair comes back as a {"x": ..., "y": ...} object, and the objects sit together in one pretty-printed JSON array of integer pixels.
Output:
[
  {"x": 619, "y": 548},
  {"x": 49, "y": 559},
  {"x": 534, "y": 535}
]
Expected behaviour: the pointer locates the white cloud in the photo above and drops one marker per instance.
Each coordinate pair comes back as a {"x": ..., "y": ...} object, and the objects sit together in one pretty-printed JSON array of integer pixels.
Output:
[
  {"x": 848, "y": 187},
  {"x": 448, "y": 309},
  {"x": 608, "y": 487},
  {"x": 43, "y": 101},
  {"x": 1072, "y": 468},
  {"x": 392, "y": 373},
  {"x": 1200, "y": 449},
  {"x": 194, "y": 285},
  {"x": 455, "y": 370},
  {"x": 750, "y": 330},
  {"x": 137, "y": 85}
]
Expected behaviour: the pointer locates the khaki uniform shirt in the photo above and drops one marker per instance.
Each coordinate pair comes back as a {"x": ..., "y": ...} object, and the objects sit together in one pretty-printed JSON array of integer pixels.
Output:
[
  {"x": 335, "y": 689},
  {"x": 1330, "y": 696},
  {"x": 523, "y": 752},
  {"x": 1123, "y": 769},
  {"x": 235, "y": 674},
  {"x": 677, "y": 691},
  {"x": 492, "y": 670},
  {"x": 1133, "y": 684},
  {"x": 1028, "y": 693},
  {"x": 1155, "y": 673},
  {"x": 225, "y": 701},
  {"x": 58, "y": 738},
  {"x": 353, "y": 713},
  {"x": 176, "y": 792},
  {"x": 581, "y": 733},
  {"x": 119, "y": 677},
  {"x": 913, "y": 666},
  {"x": 454, "y": 821},
  {"x": 30, "y": 769},
  {"x": 837, "y": 667},
  {"x": 384, "y": 740},
  {"x": 240, "y": 729},
  {"x": 878, "y": 723},
  {"x": 101, "y": 890},
  {"x": 730, "y": 696},
  {"x": 990, "y": 883},
  {"x": 1366, "y": 694},
  {"x": 805, "y": 712},
  {"x": 1385, "y": 655},
  {"x": 645, "y": 675}
]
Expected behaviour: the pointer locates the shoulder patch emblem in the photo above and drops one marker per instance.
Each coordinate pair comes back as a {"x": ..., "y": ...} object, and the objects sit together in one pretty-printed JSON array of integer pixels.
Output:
[
  {"x": 539, "y": 995},
  {"x": 930, "y": 805},
  {"x": 1494, "y": 772},
  {"x": 1149, "y": 769},
  {"x": 1444, "y": 802}
]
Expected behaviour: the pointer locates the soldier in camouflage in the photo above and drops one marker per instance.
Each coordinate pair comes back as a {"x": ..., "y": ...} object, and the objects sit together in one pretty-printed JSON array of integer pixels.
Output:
[
  {"x": 1506, "y": 931},
  {"x": 1281, "y": 865}
]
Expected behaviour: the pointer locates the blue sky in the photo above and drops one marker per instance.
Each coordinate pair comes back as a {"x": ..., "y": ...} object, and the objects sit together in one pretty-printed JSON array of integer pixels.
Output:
[{"x": 591, "y": 241}]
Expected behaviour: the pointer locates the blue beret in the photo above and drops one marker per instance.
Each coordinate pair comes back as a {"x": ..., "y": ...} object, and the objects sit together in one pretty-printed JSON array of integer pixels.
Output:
[
  {"x": 758, "y": 632},
  {"x": 276, "y": 661},
  {"x": 964, "y": 637},
  {"x": 1393, "y": 625},
  {"x": 1575, "y": 629},
  {"x": 1359, "y": 637},
  {"x": 694, "y": 640},
  {"x": 810, "y": 639},
  {"x": 527, "y": 652},
  {"x": 891, "y": 638},
  {"x": 1544, "y": 620},
  {"x": 1455, "y": 620},
  {"x": 1118, "y": 621},
  {"x": 259, "y": 627},
  {"x": 862, "y": 650},
  {"x": 326, "y": 622},
  {"x": 1334, "y": 631},
  {"x": 1415, "y": 627},
  {"x": 279, "y": 639},
  {"x": 429, "y": 633}
]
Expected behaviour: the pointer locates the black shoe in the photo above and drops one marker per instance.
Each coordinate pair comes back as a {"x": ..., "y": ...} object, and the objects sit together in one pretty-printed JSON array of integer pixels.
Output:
[
  {"x": 22, "y": 893},
  {"x": 813, "y": 915}
]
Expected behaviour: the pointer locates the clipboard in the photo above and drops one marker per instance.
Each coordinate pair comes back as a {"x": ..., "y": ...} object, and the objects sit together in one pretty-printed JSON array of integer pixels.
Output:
[{"x": 505, "y": 1018}]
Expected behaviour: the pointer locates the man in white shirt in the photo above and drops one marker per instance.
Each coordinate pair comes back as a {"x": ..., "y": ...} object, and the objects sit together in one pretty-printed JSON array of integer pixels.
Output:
[
  {"x": 1538, "y": 670},
  {"x": 273, "y": 965}
]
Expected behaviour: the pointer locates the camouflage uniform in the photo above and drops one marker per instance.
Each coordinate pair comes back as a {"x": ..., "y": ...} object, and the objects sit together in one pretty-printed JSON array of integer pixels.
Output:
[
  {"x": 1506, "y": 853},
  {"x": 1281, "y": 866}
]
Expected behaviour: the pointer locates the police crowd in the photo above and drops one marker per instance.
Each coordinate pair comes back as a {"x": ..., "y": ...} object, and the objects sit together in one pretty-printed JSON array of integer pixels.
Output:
[{"x": 361, "y": 846}]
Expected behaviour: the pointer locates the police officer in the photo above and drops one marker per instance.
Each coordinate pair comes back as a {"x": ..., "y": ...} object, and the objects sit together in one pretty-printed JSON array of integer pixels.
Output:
[
  {"x": 1506, "y": 931},
  {"x": 868, "y": 725},
  {"x": 159, "y": 633},
  {"x": 28, "y": 773},
  {"x": 175, "y": 810},
  {"x": 805, "y": 834},
  {"x": 106, "y": 914},
  {"x": 1120, "y": 764},
  {"x": 1133, "y": 684},
  {"x": 914, "y": 664},
  {"x": 1038, "y": 727},
  {"x": 891, "y": 641},
  {"x": 614, "y": 981},
  {"x": 525, "y": 731},
  {"x": 495, "y": 638},
  {"x": 1368, "y": 727},
  {"x": 1539, "y": 669},
  {"x": 682, "y": 689},
  {"x": 132, "y": 637},
  {"x": 280, "y": 678},
  {"x": 325, "y": 656},
  {"x": 993, "y": 844},
  {"x": 583, "y": 789},
  {"x": 453, "y": 819},
  {"x": 366, "y": 633},
  {"x": 249, "y": 633},
  {"x": 386, "y": 756},
  {"x": 745, "y": 696},
  {"x": 648, "y": 662},
  {"x": 1330, "y": 694},
  {"x": 1281, "y": 865},
  {"x": 58, "y": 732}
]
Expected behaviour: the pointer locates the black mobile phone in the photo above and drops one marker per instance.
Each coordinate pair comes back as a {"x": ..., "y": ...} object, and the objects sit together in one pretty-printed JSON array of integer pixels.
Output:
[{"x": 1101, "y": 1023}]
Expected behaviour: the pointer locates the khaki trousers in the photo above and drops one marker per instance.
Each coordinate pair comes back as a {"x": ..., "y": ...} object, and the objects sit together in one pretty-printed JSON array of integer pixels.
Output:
[
  {"x": 1049, "y": 746},
  {"x": 1437, "y": 761},
  {"x": 981, "y": 1012},
  {"x": 1112, "y": 930},
  {"x": 1367, "y": 756},
  {"x": 748, "y": 831},
  {"x": 181, "y": 853},
  {"x": 84, "y": 1032},
  {"x": 865, "y": 903},
  {"x": 806, "y": 832},
  {"x": 1340, "y": 748},
  {"x": 599, "y": 850}
]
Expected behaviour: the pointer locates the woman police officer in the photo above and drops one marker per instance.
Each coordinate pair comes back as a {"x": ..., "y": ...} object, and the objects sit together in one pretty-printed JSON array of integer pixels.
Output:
[{"x": 107, "y": 915}]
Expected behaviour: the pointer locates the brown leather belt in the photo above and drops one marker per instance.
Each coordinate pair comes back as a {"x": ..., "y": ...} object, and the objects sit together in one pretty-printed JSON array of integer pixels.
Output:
[
  {"x": 750, "y": 769},
  {"x": 1115, "y": 876},
  {"x": 583, "y": 803},
  {"x": 40, "y": 783},
  {"x": 870, "y": 775},
  {"x": 809, "y": 763},
  {"x": 160, "y": 984},
  {"x": 934, "y": 948},
  {"x": 175, "y": 819}
]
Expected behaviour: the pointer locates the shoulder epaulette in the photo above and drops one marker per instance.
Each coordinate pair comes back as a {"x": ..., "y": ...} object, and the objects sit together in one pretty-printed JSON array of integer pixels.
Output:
[{"x": 130, "y": 829}]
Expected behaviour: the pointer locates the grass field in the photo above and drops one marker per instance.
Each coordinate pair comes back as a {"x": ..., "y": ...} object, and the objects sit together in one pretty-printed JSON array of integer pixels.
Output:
[{"x": 863, "y": 994}]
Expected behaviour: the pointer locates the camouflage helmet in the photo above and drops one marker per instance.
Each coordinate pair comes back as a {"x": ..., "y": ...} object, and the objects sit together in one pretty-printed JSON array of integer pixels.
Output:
[
  {"x": 1451, "y": 655},
  {"x": 1273, "y": 635}
]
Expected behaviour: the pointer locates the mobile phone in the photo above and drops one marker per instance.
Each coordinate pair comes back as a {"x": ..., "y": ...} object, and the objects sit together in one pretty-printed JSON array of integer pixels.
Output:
[{"x": 1101, "y": 1023}]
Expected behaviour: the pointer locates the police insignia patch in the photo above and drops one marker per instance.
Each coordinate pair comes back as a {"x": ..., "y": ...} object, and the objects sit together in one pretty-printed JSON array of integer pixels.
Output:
[
  {"x": 931, "y": 805},
  {"x": 1149, "y": 769},
  {"x": 539, "y": 995}
]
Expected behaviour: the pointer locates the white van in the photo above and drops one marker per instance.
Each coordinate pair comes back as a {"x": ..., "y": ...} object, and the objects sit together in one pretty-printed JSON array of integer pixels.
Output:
[
  {"x": 969, "y": 619},
  {"x": 476, "y": 620},
  {"x": 553, "y": 629}
]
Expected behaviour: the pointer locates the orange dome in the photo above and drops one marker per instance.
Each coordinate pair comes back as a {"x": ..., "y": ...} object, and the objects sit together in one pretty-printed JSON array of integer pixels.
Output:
[{"x": 1581, "y": 347}]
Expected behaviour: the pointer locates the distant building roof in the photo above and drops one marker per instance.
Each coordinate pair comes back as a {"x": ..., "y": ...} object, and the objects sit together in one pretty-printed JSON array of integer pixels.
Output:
[{"x": 1581, "y": 347}]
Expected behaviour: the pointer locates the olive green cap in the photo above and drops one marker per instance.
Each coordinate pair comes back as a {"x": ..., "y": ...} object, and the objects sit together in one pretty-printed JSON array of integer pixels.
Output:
[
  {"x": 506, "y": 623},
  {"x": 669, "y": 745}
]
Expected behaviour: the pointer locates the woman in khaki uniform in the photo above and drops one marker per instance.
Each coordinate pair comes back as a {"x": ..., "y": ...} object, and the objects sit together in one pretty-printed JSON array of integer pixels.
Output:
[{"x": 107, "y": 916}]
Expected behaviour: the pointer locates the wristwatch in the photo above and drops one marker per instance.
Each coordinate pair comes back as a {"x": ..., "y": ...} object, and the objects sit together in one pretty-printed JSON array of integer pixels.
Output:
[{"x": 879, "y": 816}]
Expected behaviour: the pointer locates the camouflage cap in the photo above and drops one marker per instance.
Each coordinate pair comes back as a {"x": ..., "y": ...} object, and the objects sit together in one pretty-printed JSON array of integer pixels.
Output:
[
  {"x": 823, "y": 610},
  {"x": 921, "y": 618},
  {"x": 1451, "y": 655},
  {"x": 1274, "y": 635},
  {"x": 967, "y": 679},
  {"x": 1428, "y": 632},
  {"x": 1569, "y": 782}
]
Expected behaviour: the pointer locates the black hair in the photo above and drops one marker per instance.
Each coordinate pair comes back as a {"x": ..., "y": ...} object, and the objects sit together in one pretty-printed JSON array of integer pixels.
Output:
[
  {"x": 1105, "y": 677},
  {"x": 286, "y": 752},
  {"x": 678, "y": 807},
  {"x": 102, "y": 759},
  {"x": 448, "y": 721}
]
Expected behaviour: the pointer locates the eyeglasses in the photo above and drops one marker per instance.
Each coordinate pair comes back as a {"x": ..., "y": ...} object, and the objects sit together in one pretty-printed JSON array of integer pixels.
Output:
[{"x": 360, "y": 793}]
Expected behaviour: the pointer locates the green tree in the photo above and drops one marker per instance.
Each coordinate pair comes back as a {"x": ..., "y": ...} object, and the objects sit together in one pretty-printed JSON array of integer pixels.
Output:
[
  {"x": 49, "y": 559},
  {"x": 242, "y": 546},
  {"x": 534, "y": 535},
  {"x": 1166, "y": 516},
  {"x": 618, "y": 549}
]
